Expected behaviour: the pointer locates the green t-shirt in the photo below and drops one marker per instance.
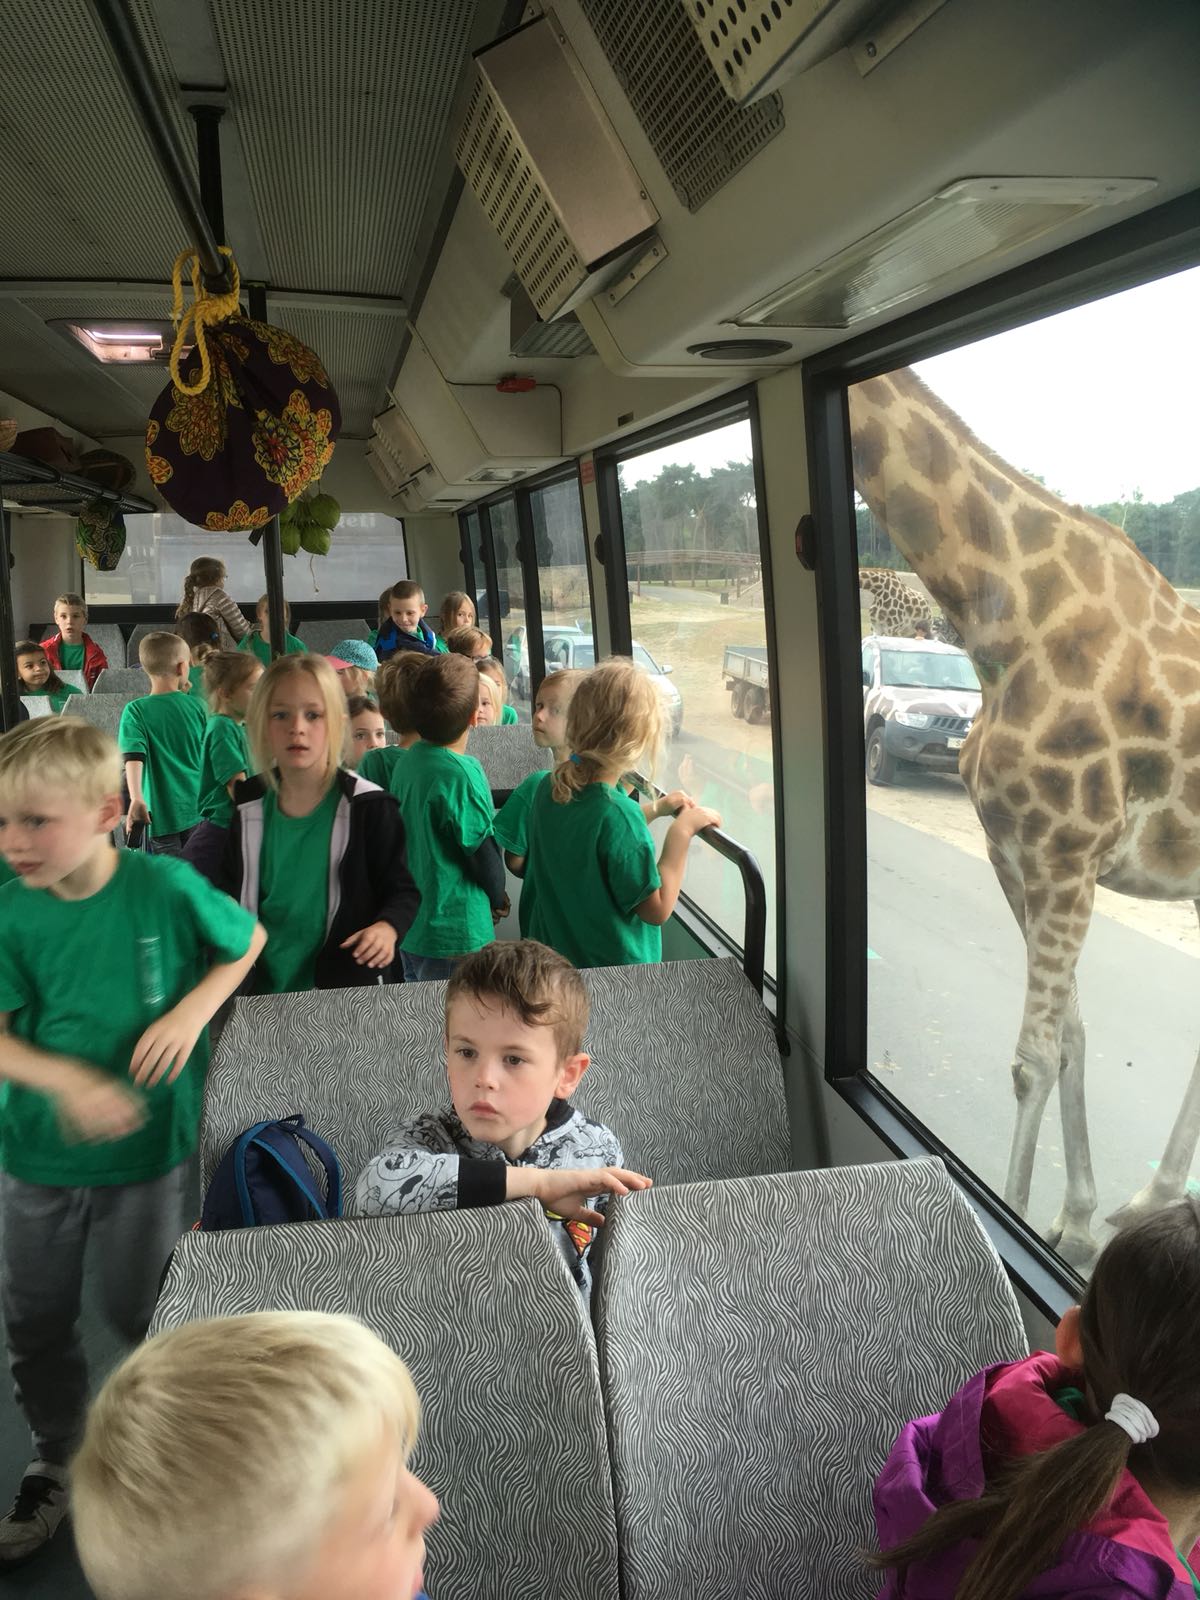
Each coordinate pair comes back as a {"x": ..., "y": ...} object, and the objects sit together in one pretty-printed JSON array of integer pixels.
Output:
[
  {"x": 293, "y": 893},
  {"x": 196, "y": 679},
  {"x": 58, "y": 697},
  {"x": 7, "y": 875},
  {"x": 167, "y": 732},
  {"x": 512, "y": 819},
  {"x": 377, "y": 766},
  {"x": 591, "y": 862},
  {"x": 225, "y": 754},
  {"x": 71, "y": 656},
  {"x": 86, "y": 978},
  {"x": 508, "y": 716},
  {"x": 447, "y": 810},
  {"x": 262, "y": 647}
]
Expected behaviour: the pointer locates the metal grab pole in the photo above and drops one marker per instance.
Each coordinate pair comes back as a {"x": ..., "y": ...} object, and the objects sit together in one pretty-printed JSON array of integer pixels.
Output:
[
  {"x": 9, "y": 705},
  {"x": 162, "y": 135},
  {"x": 272, "y": 550}
]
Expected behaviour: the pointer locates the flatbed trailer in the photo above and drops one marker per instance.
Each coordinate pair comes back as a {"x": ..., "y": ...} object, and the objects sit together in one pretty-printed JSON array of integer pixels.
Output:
[{"x": 748, "y": 682}]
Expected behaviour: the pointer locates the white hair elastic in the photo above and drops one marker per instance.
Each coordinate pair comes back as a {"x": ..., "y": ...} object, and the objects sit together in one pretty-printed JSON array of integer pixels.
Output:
[{"x": 1138, "y": 1420}]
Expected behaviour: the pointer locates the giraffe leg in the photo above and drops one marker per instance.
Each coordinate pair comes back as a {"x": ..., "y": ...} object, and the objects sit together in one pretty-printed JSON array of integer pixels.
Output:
[
  {"x": 1070, "y": 1232},
  {"x": 1169, "y": 1183},
  {"x": 1051, "y": 1019}
]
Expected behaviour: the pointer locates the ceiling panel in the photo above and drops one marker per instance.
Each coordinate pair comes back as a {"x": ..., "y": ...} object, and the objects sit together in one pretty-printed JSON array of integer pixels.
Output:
[
  {"x": 40, "y": 367},
  {"x": 357, "y": 348}
]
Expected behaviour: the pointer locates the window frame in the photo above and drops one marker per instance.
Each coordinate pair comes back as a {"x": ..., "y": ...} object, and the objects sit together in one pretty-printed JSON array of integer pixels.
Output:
[
  {"x": 1144, "y": 248},
  {"x": 738, "y": 404}
]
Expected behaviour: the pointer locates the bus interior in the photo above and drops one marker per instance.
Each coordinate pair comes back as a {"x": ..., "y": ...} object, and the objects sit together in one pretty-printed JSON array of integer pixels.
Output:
[{"x": 792, "y": 350}]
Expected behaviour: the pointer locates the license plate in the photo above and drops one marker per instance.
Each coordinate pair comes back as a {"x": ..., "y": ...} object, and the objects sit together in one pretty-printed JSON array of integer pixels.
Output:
[{"x": 954, "y": 744}]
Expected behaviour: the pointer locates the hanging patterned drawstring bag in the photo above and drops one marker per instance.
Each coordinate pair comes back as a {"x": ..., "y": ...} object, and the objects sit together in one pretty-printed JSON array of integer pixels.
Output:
[
  {"x": 100, "y": 535},
  {"x": 248, "y": 421}
]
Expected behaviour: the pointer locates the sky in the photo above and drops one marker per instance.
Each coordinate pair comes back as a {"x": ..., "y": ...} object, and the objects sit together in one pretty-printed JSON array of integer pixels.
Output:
[{"x": 1101, "y": 401}]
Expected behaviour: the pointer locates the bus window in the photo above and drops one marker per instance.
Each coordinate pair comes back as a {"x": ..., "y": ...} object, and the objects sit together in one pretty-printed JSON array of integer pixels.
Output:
[
  {"x": 698, "y": 625},
  {"x": 563, "y": 578},
  {"x": 367, "y": 555},
  {"x": 511, "y": 582},
  {"x": 1029, "y": 560}
]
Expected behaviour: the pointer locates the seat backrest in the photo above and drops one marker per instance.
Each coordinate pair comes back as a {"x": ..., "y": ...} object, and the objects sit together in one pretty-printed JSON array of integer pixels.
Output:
[
  {"x": 74, "y": 677},
  {"x": 508, "y": 755},
  {"x": 38, "y": 705},
  {"x": 481, "y": 1307},
  {"x": 685, "y": 1069},
  {"x": 762, "y": 1342},
  {"x": 101, "y": 710},
  {"x": 122, "y": 680},
  {"x": 320, "y": 634},
  {"x": 136, "y": 637},
  {"x": 111, "y": 640}
]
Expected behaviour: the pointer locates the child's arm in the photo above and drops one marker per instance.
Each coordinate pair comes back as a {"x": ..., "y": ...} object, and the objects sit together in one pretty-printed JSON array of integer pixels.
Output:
[
  {"x": 98, "y": 1106},
  {"x": 515, "y": 864},
  {"x": 164, "y": 1048},
  {"x": 666, "y": 805},
  {"x": 567, "y": 1191},
  {"x": 238, "y": 777},
  {"x": 399, "y": 898},
  {"x": 134, "y": 766},
  {"x": 485, "y": 866},
  {"x": 657, "y": 907}
]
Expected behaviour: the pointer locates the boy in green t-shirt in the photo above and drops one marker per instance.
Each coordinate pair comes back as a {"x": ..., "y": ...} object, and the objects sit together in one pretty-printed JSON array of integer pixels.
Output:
[
  {"x": 106, "y": 990},
  {"x": 260, "y": 640},
  {"x": 393, "y": 688},
  {"x": 447, "y": 810},
  {"x": 162, "y": 740}
]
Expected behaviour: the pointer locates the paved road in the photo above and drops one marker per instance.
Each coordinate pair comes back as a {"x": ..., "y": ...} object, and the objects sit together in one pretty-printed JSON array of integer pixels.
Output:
[{"x": 945, "y": 998}]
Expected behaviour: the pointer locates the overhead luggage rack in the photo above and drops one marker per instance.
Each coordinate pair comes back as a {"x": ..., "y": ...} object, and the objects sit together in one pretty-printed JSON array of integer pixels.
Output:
[{"x": 32, "y": 485}]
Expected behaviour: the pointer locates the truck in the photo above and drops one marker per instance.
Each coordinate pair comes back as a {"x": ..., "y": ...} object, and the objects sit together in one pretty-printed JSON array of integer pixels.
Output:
[{"x": 746, "y": 678}]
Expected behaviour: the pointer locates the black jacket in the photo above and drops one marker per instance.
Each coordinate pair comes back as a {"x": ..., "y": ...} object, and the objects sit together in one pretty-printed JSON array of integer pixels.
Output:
[{"x": 369, "y": 880}]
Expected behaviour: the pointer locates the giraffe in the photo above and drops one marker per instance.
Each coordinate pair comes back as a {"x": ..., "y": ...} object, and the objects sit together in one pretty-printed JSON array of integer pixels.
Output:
[
  {"x": 1084, "y": 761},
  {"x": 896, "y": 608}
]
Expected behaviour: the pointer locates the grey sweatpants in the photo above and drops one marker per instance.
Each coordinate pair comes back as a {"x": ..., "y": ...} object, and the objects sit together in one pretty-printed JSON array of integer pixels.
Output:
[{"x": 130, "y": 1230}]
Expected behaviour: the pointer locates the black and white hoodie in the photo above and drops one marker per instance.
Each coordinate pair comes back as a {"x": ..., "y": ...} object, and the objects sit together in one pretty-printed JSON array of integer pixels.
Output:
[
  {"x": 433, "y": 1164},
  {"x": 369, "y": 880}
]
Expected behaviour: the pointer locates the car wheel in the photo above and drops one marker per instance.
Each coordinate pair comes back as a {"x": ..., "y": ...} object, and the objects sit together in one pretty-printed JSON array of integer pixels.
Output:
[
  {"x": 881, "y": 767},
  {"x": 757, "y": 707}
]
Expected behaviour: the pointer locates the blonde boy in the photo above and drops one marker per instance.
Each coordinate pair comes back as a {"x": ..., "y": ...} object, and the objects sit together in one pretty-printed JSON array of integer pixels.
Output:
[
  {"x": 515, "y": 1020},
  {"x": 395, "y": 685},
  {"x": 162, "y": 740},
  {"x": 260, "y": 1456},
  {"x": 106, "y": 990},
  {"x": 71, "y": 649}
]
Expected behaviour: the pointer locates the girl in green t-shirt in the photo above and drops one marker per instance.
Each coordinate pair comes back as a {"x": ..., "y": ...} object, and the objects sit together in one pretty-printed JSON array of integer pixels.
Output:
[
  {"x": 596, "y": 893},
  {"x": 318, "y": 853},
  {"x": 493, "y": 694},
  {"x": 229, "y": 679},
  {"x": 38, "y": 677}
]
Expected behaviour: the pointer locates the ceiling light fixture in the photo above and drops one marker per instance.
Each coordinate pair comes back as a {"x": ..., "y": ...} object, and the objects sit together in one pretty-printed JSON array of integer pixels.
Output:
[{"x": 116, "y": 343}]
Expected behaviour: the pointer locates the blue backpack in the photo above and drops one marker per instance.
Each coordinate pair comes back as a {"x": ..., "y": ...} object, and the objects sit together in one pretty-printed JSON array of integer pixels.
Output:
[{"x": 264, "y": 1178}]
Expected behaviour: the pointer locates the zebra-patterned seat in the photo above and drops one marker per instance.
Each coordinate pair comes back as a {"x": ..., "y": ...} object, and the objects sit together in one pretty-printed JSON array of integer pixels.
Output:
[
  {"x": 685, "y": 1068},
  {"x": 481, "y": 1307},
  {"x": 508, "y": 755},
  {"x": 762, "y": 1342}
]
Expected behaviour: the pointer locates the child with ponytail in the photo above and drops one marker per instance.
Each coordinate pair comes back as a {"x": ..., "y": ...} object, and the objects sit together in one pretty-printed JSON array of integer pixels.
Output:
[
  {"x": 593, "y": 890},
  {"x": 1070, "y": 1474},
  {"x": 204, "y": 590}
]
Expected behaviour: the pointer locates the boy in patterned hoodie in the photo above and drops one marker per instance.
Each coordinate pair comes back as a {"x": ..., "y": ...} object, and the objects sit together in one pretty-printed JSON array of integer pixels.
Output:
[{"x": 515, "y": 1020}]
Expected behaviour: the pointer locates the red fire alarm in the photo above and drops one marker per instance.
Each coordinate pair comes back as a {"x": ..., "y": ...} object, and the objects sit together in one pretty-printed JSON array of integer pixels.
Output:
[{"x": 514, "y": 385}]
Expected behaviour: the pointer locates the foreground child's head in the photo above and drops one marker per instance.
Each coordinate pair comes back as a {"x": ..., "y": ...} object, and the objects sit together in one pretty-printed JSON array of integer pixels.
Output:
[
  {"x": 297, "y": 720},
  {"x": 60, "y": 797},
  {"x": 229, "y": 680},
  {"x": 365, "y": 728},
  {"x": 516, "y": 1014},
  {"x": 164, "y": 655},
  {"x": 550, "y": 707},
  {"x": 394, "y": 683},
  {"x": 472, "y": 642},
  {"x": 70, "y": 617},
  {"x": 261, "y": 1457},
  {"x": 458, "y": 611},
  {"x": 444, "y": 697},
  {"x": 614, "y": 726},
  {"x": 200, "y": 633},
  {"x": 406, "y": 605},
  {"x": 33, "y": 669}
]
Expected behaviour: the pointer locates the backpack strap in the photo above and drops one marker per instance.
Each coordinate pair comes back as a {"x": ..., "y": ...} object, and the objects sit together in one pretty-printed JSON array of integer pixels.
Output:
[
  {"x": 328, "y": 1159},
  {"x": 301, "y": 1181},
  {"x": 239, "y": 1172}
]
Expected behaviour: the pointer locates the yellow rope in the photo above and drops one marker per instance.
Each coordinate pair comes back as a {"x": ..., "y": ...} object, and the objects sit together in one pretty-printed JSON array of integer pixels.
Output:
[{"x": 206, "y": 310}]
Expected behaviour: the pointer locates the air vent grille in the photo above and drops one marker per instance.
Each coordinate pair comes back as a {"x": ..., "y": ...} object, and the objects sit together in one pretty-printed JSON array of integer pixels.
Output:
[
  {"x": 701, "y": 138},
  {"x": 755, "y": 44},
  {"x": 503, "y": 180}
]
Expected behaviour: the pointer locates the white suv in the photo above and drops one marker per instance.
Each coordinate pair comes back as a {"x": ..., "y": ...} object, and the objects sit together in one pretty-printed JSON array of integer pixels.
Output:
[{"x": 920, "y": 698}]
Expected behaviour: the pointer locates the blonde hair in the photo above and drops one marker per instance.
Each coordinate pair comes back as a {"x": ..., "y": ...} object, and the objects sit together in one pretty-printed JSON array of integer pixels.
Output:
[
  {"x": 263, "y": 608},
  {"x": 65, "y": 754},
  {"x": 206, "y": 572},
  {"x": 489, "y": 667},
  {"x": 385, "y": 608},
  {"x": 158, "y": 653},
  {"x": 566, "y": 679},
  {"x": 215, "y": 1455},
  {"x": 72, "y": 600},
  {"x": 452, "y": 605},
  {"x": 225, "y": 671},
  {"x": 615, "y": 722},
  {"x": 466, "y": 641},
  {"x": 329, "y": 687}
]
